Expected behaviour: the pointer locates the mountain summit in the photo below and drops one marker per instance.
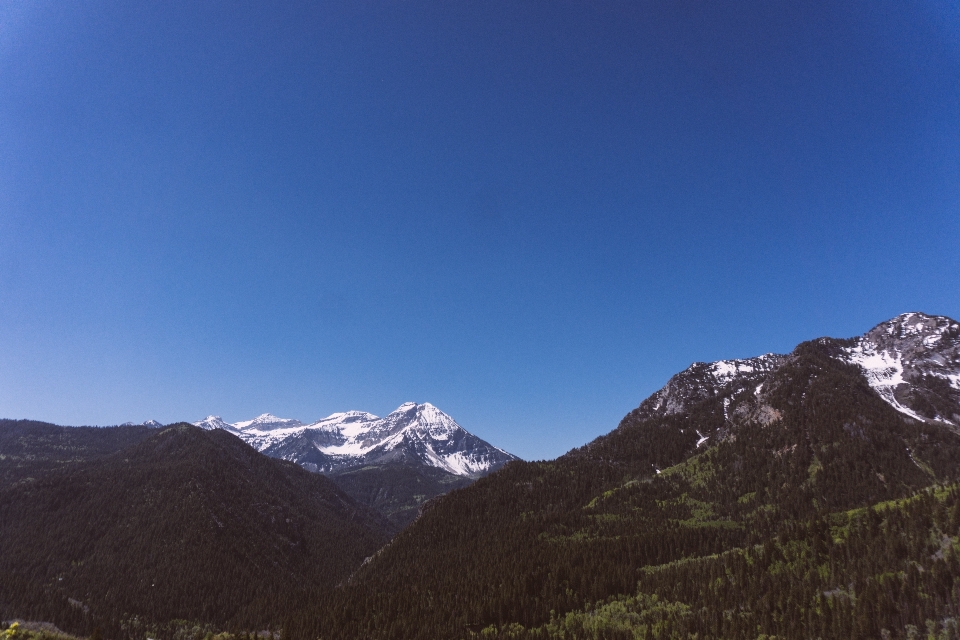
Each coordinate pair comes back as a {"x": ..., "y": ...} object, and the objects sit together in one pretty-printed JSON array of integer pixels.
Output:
[
  {"x": 913, "y": 363},
  {"x": 414, "y": 434}
]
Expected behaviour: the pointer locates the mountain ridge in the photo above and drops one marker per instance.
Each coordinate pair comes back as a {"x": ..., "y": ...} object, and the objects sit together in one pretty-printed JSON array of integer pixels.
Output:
[
  {"x": 912, "y": 361},
  {"x": 808, "y": 494},
  {"x": 413, "y": 434},
  {"x": 728, "y": 459},
  {"x": 183, "y": 523}
]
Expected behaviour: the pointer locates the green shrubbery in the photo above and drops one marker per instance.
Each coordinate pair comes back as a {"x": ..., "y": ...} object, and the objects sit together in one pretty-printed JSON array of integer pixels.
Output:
[{"x": 34, "y": 631}]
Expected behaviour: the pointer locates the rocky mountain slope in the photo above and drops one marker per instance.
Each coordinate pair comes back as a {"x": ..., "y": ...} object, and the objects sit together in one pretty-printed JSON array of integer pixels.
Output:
[
  {"x": 743, "y": 499},
  {"x": 913, "y": 363},
  {"x": 413, "y": 435}
]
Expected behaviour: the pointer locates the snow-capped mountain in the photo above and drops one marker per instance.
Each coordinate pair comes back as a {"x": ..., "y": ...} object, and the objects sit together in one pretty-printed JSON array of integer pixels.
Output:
[
  {"x": 911, "y": 361},
  {"x": 268, "y": 422},
  {"x": 215, "y": 422},
  {"x": 702, "y": 380},
  {"x": 153, "y": 424},
  {"x": 415, "y": 434}
]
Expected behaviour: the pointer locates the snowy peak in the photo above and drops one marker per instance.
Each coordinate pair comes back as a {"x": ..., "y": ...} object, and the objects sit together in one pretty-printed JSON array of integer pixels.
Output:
[
  {"x": 919, "y": 338},
  {"x": 929, "y": 329},
  {"x": 152, "y": 424},
  {"x": 702, "y": 380},
  {"x": 412, "y": 433},
  {"x": 215, "y": 422},
  {"x": 423, "y": 419},
  {"x": 268, "y": 422},
  {"x": 417, "y": 434},
  {"x": 913, "y": 362},
  {"x": 335, "y": 420}
]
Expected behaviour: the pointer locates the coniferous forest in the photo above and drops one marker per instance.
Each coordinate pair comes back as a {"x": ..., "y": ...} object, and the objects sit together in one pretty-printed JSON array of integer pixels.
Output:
[{"x": 814, "y": 510}]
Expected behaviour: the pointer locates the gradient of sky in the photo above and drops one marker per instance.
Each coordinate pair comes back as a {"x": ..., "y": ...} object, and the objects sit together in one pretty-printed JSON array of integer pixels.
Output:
[{"x": 530, "y": 214}]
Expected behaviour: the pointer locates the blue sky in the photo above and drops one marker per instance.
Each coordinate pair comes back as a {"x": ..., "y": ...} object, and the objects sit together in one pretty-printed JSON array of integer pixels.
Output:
[{"x": 529, "y": 214}]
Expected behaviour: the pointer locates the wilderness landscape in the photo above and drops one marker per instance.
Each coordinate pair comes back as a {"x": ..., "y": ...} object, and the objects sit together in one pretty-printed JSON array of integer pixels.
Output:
[
  {"x": 501, "y": 319},
  {"x": 809, "y": 494}
]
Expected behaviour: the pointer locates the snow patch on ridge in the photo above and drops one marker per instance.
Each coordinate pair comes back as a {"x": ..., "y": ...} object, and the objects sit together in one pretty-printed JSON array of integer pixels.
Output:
[
  {"x": 463, "y": 464},
  {"x": 884, "y": 373},
  {"x": 268, "y": 421},
  {"x": 725, "y": 370},
  {"x": 897, "y": 357}
]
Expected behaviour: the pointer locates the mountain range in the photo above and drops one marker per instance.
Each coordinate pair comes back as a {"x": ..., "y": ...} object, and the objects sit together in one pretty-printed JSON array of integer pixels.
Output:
[
  {"x": 814, "y": 494},
  {"x": 803, "y": 495},
  {"x": 394, "y": 464},
  {"x": 414, "y": 435}
]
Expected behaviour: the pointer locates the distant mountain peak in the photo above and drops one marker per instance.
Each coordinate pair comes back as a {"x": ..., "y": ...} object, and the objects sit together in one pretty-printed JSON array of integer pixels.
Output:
[
  {"x": 268, "y": 421},
  {"x": 413, "y": 434},
  {"x": 153, "y": 424},
  {"x": 215, "y": 422}
]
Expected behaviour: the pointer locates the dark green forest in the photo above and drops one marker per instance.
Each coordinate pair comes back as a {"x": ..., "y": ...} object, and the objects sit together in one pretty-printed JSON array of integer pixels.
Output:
[
  {"x": 187, "y": 524},
  {"x": 397, "y": 491},
  {"x": 30, "y": 448}
]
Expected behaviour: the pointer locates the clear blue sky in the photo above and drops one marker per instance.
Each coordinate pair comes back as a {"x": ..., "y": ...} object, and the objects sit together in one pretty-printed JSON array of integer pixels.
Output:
[{"x": 529, "y": 214}]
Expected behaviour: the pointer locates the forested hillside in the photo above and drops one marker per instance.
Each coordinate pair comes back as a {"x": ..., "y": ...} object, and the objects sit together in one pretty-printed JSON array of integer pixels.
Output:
[
  {"x": 34, "y": 449},
  {"x": 886, "y": 571},
  {"x": 30, "y": 448},
  {"x": 397, "y": 491},
  {"x": 187, "y": 524},
  {"x": 538, "y": 541}
]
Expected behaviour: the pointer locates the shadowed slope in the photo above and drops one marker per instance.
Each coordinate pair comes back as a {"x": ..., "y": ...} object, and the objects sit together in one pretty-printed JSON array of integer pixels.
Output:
[
  {"x": 397, "y": 491},
  {"x": 30, "y": 448},
  {"x": 186, "y": 524}
]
